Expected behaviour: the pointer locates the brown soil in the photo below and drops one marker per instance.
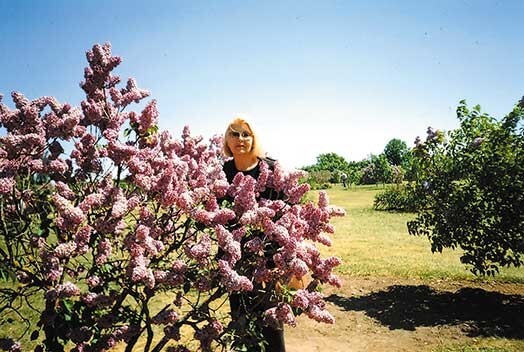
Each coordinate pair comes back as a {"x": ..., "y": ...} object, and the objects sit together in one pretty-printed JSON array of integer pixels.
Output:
[{"x": 386, "y": 314}]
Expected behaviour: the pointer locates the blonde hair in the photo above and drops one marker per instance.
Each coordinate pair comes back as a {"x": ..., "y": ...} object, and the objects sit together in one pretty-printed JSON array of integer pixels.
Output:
[{"x": 238, "y": 121}]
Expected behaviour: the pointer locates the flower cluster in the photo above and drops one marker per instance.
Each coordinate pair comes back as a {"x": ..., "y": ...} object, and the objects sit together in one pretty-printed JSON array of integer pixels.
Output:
[{"x": 128, "y": 213}]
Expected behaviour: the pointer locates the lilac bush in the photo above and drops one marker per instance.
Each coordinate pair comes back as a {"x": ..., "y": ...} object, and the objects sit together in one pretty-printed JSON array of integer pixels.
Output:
[{"x": 130, "y": 216}]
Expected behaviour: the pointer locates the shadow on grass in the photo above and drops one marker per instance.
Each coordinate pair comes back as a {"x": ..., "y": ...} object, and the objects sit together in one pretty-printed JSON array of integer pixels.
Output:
[{"x": 478, "y": 312}]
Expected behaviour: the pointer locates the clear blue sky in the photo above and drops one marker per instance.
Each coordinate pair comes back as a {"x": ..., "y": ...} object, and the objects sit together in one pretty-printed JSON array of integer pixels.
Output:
[{"x": 314, "y": 76}]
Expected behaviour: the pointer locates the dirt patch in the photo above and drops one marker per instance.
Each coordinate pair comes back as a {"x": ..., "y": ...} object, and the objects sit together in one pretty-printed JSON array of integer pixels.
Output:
[{"x": 386, "y": 314}]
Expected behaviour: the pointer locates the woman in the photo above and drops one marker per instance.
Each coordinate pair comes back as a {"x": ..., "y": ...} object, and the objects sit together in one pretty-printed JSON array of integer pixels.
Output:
[{"x": 240, "y": 142}]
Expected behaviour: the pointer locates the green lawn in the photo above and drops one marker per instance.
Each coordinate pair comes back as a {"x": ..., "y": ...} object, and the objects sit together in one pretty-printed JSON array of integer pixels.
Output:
[{"x": 377, "y": 243}]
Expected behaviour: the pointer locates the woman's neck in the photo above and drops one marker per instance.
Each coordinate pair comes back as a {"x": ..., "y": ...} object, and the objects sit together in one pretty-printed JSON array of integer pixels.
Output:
[{"x": 245, "y": 162}]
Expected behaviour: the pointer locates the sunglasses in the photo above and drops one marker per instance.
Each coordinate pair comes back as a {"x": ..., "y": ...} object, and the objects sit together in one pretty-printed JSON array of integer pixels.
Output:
[{"x": 243, "y": 134}]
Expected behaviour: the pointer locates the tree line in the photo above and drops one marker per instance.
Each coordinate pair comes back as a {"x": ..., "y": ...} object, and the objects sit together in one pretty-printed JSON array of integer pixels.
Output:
[
  {"x": 394, "y": 165},
  {"x": 466, "y": 186}
]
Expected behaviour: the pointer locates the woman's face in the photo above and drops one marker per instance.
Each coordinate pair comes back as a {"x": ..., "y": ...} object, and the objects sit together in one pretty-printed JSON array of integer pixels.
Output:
[{"x": 239, "y": 140}]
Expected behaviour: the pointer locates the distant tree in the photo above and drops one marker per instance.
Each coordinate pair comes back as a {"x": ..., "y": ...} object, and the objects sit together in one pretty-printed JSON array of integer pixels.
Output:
[
  {"x": 411, "y": 166},
  {"x": 331, "y": 162},
  {"x": 383, "y": 170},
  {"x": 319, "y": 179},
  {"x": 376, "y": 170},
  {"x": 396, "y": 151},
  {"x": 368, "y": 175},
  {"x": 471, "y": 182},
  {"x": 397, "y": 174},
  {"x": 335, "y": 176}
]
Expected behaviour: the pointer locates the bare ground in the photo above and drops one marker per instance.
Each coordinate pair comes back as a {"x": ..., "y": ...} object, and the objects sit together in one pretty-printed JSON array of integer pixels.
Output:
[{"x": 391, "y": 314}]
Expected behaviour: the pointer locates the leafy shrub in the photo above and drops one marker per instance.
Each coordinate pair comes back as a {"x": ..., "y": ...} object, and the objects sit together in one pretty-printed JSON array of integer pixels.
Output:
[
  {"x": 369, "y": 175},
  {"x": 335, "y": 176},
  {"x": 319, "y": 179},
  {"x": 471, "y": 182},
  {"x": 397, "y": 198}
]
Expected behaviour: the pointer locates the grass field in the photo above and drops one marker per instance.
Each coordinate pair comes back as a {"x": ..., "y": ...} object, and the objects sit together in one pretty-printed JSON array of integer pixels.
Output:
[{"x": 377, "y": 243}]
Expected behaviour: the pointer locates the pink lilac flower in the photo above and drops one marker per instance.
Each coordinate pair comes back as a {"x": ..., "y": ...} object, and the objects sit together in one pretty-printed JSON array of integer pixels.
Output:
[
  {"x": 227, "y": 242},
  {"x": 72, "y": 216},
  {"x": 92, "y": 299},
  {"x": 118, "y": 152},
  {"x": 57, "y": 166},
  {"x": 165, "y": 317},
  {"x": 142, "y": 233},
  {"x": 296, "y": 193},
  {"x": 263, "y": 177},
  {"x": 208, "y": 333},
  {"x": 110, "y": 226},
  {"x": 232, "y": 280},
  {"x": 262, "y": 273},
  {"x": 132, "y": 94},
  {"x": 281, "y": 313},
  {"x": 298, "y": 267},
  {"x": 103, "y": 251},
  {"x": 65, "y": 250},
  {"x": 320, "y": 315},
  {"x": 219, "y": 188},
  {"x": 62, "y": 123},
  {"x": 133, "y": 202},
  {"x": 93, "y": 281},
  {"x": 223, "y": 216},
  {"x": 92, "y": 200},
  {"x": 203, "y": 284},
  {"x": 179, "y": 266},
  {"x": 323, "y": 200},
  {"x": 239, "y": 233},
  {"x": 10, "y": 345},
  {"x": 201, "y": 250},
  {"x": 301, "y": 299},
  {"x": 64, "y": 190},
  {"x": 323, "y": 268},
  {"x": 52, "y": 268},
  {"x": 203, "y": 216},
  {"x": 148, "y": 117},
  {"x": 29, "y": 144},
  {"x": 313, "y": 304},
  {"x": 245, "y": 198},
  {"x": 254, "y": 245},
  {"x": 276, "y": 232},
  {"x": 185, "y": 201},
  {"x": 278, "y": 206},
  {"x": 83, "y": 236},
  {"x": 36, "y": 165},
  {"x": 6, "y": 185},
  {"x": 256, "y": 216},
  {"x": 37, "y": 242},
  {"x": 86, "y": 154},
  {"x": 178, "y": 299},
  {"x": 68, "y": 289}
]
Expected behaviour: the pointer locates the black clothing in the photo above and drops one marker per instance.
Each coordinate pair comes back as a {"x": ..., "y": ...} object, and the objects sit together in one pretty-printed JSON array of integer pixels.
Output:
[
  {"x": 255, "y": 302},
  {"x": 231, "y": 170}
]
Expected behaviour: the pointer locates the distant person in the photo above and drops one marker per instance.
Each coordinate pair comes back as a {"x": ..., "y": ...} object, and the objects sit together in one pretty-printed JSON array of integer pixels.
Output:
[
  {"x": 344, "y": 179},
  {"x": 241, "y": 143}
]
